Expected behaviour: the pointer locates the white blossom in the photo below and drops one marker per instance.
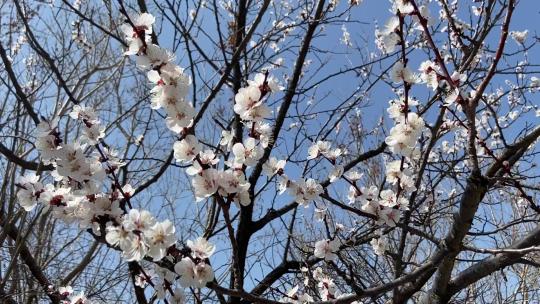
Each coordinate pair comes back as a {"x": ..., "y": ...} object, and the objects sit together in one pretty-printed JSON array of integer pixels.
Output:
[
  {"x": 233, "y": 181},
  {"x": 186, "y": 149},
  {"x": 379, "y": 245},
  {"x": 193, "y": 274},
  {"x": 201, "y": 248},
  {"x": 519, "y": 37},
  {"x": 400, "y": 73},
  {"x": 30, "y": 190},
  {"x": 159, "y": 238},
  {"x": 318, "y": 148},
  {"x": 205, "y": 184},
  {"x": 326, "y": 249},
  {"x": 247, "y": 153},
  {"x": 429, "y": 74},
  {"x": 336, "y": 173},
  {"x": 142, "y": 25},
  {"x": 261, "y": 79},
  {"x": 387, "y": 39},
  {"x": 403, "y": 6},
  {"x": 273, "y": 166},
  {"x": 139, "y": 220},
  {"x": 248, "y": 104},
  {"x": 180, "y": 116},
  {"x": 389, "y": 216}
]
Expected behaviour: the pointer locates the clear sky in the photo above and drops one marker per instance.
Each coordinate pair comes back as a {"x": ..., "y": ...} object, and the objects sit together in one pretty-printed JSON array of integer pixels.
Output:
[{"x": 361, "y": 25}]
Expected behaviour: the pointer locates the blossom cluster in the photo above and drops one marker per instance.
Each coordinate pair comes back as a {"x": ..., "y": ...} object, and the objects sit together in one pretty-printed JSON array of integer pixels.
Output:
[
  {"x": 388, "y": 38},
  {"x": 81, "y": 168},
  {"x": 307, "y": 190},
  {"x": 68, "y": 296},
  {"x": 326, "y": 249},
  {"x": 76, "y": 193},
  {"x": 211, "y": 175},
  {"x": 171, "y": 84},
  {"x": 408, "y": 127},
  {"x": 79, "y": 175},
  {"x": 139, "y": 231},
  {"x": 139, "y": 234},
  {"x": 385, "y": 205},
  {"x": 325, "y": 286}
]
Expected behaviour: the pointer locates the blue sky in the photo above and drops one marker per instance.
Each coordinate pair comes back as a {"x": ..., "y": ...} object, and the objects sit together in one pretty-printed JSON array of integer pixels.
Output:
[
  {"x": 370, "y": 13},
  {"x": 365, "y": 17}
]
